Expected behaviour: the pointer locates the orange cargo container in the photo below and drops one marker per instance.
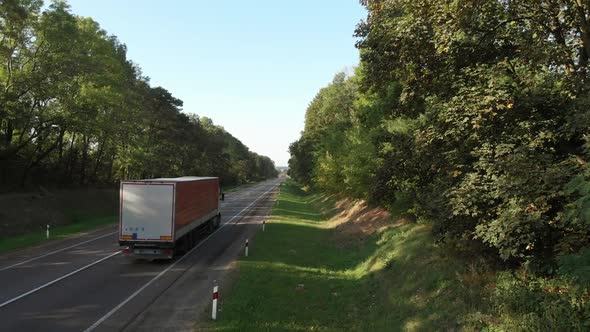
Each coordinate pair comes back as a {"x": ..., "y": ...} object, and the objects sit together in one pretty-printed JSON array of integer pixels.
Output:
[
  {"x": 161, "y": 216},
  {"x": 195, "y": 199}
]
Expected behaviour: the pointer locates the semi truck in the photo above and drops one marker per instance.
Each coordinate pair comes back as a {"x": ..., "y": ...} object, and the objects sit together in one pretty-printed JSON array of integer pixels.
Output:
[{"x": 159, "y": 218}]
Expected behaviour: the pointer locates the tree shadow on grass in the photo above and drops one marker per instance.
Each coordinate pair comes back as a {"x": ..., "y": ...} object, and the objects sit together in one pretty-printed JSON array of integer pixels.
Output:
[
  {"x": 299, "y": 278},
  {"x": 305, "y": 245},
  {"x": 296, "y": 280},
  {"x": 294, "y": 189},
  {"x": 294, "y": 209},
  {"x": 290, "y": 214}
]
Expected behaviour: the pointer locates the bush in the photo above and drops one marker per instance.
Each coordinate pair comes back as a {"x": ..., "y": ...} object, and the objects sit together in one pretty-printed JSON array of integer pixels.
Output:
[{"x": 526, "y": 303}]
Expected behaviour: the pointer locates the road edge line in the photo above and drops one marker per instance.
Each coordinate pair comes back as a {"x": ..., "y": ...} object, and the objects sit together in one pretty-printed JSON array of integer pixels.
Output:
[
  {"x": 56, "y": 251},
  {"x": 58, "y": 279},
  {"x": 132, "y": 296}
]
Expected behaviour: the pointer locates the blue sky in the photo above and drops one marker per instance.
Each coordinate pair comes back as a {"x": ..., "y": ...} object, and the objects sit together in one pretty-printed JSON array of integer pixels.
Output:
[{"x": 251, "y": 66}]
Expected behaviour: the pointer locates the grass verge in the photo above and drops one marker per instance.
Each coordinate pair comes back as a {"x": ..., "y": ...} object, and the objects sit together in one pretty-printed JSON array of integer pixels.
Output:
[
  {"x": 80, "y": 224},
  {"x": 299, "y": 277}
]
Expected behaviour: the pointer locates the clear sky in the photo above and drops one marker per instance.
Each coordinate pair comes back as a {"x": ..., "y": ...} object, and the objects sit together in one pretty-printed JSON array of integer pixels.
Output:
[{"x": 251, "y": 66}]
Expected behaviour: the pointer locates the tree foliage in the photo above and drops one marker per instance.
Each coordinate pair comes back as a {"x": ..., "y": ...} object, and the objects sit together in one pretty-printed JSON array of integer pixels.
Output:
[
  {"x": 75, "y": 110},
  {"x": 476, "y": 110}
]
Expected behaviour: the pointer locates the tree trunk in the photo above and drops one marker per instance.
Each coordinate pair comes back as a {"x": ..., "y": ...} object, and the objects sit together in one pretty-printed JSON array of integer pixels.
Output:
[
  {"x": 86, "y": 142},
  {"x": 584, "y": 28},
  {"x": 98, "y": 159},
  {"x": 61, "y": 147},
  {"x": 8, "y": 133},
  {"x": 111, "y": 169},
  {"x": 40, "y": 157},
  {"x": 71, "y": 159}
]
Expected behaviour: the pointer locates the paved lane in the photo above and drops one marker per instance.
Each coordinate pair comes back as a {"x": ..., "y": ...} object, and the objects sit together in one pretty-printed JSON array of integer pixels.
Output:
[{"x": 128, "y": 287}]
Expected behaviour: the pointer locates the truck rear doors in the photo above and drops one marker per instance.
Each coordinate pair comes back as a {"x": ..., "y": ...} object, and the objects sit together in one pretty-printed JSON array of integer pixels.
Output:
[{"x": 147, "y": 212}]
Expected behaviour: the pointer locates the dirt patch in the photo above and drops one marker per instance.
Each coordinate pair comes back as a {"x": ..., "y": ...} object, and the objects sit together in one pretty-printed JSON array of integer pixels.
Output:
[
  {"x": 27, "y": 212},
  {"x": 355, "y": 221}
]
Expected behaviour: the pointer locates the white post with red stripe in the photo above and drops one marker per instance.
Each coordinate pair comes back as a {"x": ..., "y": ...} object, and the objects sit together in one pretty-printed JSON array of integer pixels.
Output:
[
  {"x": 214, "y": 307},
  {"x": 246, "y": 248}
]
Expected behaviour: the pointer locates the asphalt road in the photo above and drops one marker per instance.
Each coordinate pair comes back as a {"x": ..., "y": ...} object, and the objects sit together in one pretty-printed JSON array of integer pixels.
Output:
[{"x": 84, "y": 284}]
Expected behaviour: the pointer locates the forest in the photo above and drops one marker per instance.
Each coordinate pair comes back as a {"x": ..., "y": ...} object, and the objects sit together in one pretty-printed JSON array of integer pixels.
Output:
[
  {"x": 75, "y": 111},
  {"x": 472, "y": 114},
  {"x": 472, "y": 118}
]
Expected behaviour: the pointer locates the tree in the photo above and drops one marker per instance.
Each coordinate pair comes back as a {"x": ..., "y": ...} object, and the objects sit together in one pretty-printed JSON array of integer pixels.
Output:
[
  {"x": 473, "y": 110},
  {"x": 75, "y": 110}
]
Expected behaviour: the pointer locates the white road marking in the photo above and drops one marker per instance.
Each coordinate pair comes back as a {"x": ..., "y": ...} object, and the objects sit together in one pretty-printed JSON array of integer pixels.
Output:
[
  {"x": 55, "y": 252},
  {"x": 120, "y": 305},
  {"x": 58, "y": 279},
  {"x": 94, "y": 239}
]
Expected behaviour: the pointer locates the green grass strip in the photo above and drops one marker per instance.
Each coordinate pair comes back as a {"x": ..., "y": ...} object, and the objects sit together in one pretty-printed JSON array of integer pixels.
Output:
[
  {"x": 299, "y": 276},
  {"x": 56, "y": 233}
]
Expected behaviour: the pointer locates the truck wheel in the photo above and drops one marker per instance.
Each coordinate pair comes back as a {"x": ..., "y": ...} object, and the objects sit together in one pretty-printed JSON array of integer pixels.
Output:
[
  {"x": 183, "y": 245},
  {"x": 178, "y": 246},
  {"x": 189, "y": 241},
  {"x": 195, "y": 236}
]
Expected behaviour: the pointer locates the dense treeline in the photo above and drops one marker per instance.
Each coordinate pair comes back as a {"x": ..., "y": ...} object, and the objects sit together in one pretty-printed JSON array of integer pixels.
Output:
[
  {"x": 475, "y": 112},
  {"x": 74, "y": 110}
]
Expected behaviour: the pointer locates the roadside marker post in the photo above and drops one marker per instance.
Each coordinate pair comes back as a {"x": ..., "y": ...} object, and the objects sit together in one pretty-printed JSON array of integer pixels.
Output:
[
  {"x": 47, "y": 232},
  {"x": 163, "y": 272},
  {"x": 263, "y": 224},
  {"x": 214, "y": 307},
  {"x": 246, "y": 248}
]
